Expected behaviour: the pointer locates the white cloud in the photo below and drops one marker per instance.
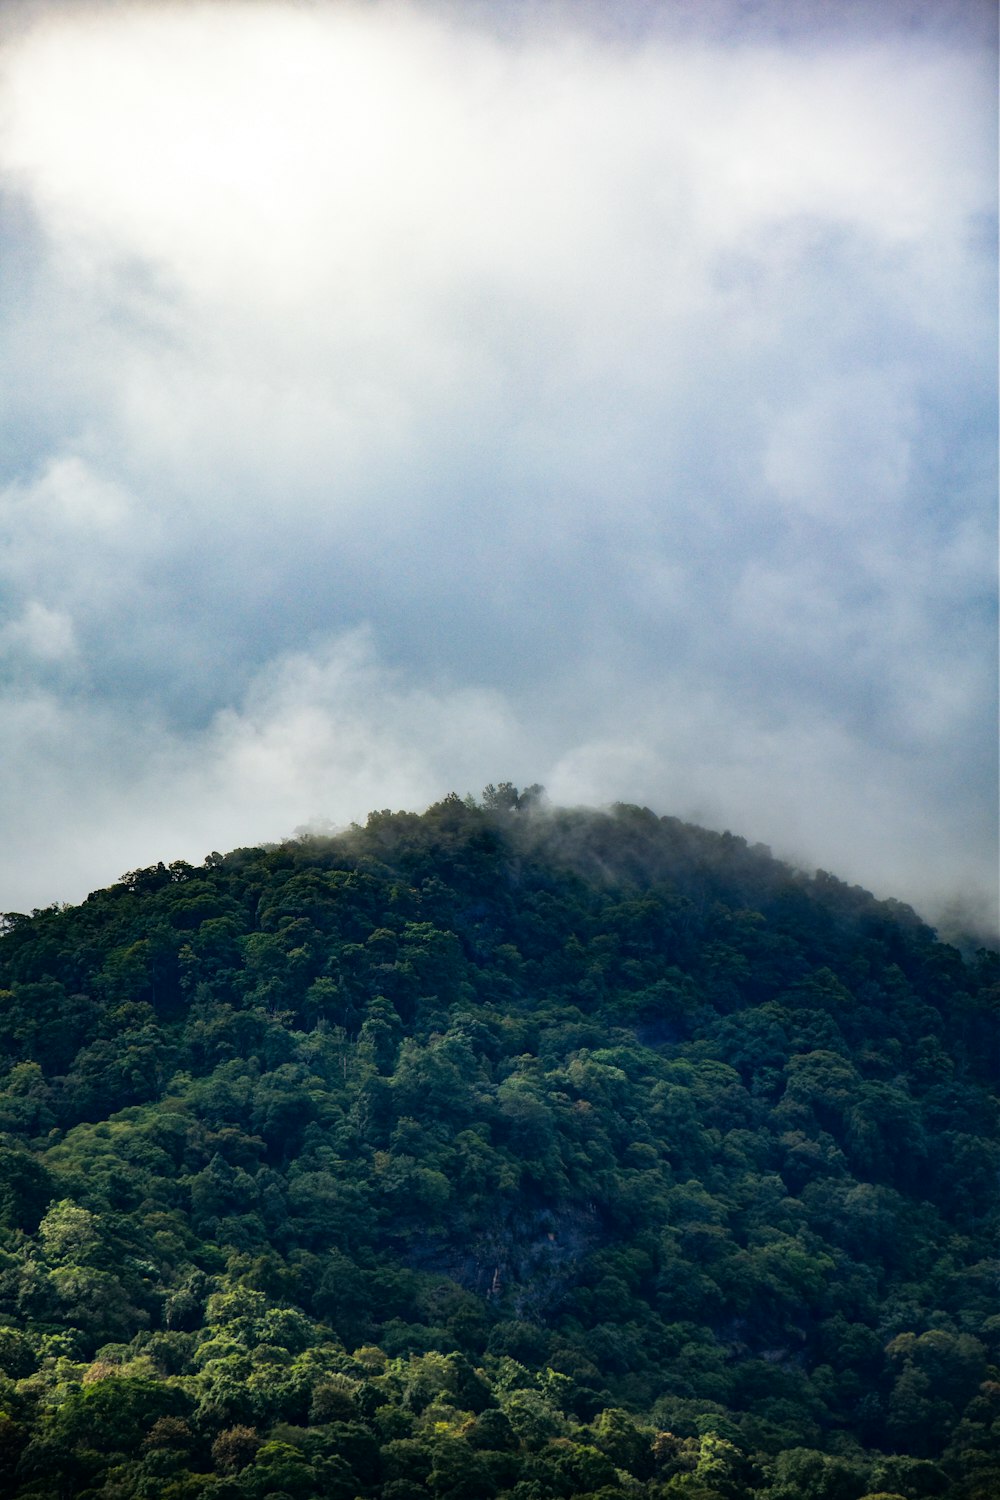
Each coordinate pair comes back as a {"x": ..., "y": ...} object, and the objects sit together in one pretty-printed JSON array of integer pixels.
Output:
[
  {"x": 846, "y": 449},
  {"x": 39, "y": 632},
  {"x": 635, "y": 392},
  {"x": 70, "y": 503},
  {"x": 321, "y": 736},
  {"x": 325, "y": 737}
]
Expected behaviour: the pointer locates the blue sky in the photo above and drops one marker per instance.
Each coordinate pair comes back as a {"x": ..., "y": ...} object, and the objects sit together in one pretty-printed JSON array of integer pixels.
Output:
[{"x": 402, "y": 397}]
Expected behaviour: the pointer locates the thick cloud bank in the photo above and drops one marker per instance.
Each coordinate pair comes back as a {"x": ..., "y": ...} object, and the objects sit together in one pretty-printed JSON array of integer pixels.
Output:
[{"x": 399, "y": 400}]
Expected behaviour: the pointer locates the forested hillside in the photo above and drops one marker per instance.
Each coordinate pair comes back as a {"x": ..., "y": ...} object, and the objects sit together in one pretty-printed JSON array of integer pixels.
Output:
[{"x": 496, "y": 1152}]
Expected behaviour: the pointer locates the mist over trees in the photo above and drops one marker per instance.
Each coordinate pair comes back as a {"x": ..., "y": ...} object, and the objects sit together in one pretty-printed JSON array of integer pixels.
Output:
[{"x": 499, "y": 1151}]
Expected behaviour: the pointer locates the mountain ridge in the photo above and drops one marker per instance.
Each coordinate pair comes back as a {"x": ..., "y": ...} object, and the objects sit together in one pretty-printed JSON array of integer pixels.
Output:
[{"x": 497, "y": 1150}]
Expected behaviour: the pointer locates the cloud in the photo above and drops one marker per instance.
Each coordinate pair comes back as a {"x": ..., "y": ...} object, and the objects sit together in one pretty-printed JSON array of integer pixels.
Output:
[
  {"x": 324, "y": 736},
  {"x": 40, "y": 632},
  {"x": 317, "y": 736},
  {"x": 611, "y": 404}
]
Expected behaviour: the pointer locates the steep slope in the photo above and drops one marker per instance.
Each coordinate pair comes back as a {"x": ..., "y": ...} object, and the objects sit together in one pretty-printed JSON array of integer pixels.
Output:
[{"x": 496, "y": 1151}]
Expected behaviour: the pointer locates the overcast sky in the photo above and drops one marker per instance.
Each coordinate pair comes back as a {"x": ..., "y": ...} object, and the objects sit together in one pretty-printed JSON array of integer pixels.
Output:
[{"x": 400, "y": 397}]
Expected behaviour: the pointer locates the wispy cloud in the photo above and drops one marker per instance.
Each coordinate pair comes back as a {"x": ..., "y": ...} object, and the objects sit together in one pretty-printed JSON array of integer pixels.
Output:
[{"x": 405, "y": 396}]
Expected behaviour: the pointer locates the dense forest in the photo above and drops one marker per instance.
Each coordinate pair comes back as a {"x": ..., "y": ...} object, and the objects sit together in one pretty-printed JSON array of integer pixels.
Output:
[{"x": 498, "y": 1151}]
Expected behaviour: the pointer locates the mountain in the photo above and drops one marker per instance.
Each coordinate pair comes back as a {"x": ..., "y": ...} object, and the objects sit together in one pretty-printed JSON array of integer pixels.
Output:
[{"x": 499, "y": 1151}]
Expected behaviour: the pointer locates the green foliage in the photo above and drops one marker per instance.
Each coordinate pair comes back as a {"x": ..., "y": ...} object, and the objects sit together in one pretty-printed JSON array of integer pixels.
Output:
[{"x": 497, "y": 1152}]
